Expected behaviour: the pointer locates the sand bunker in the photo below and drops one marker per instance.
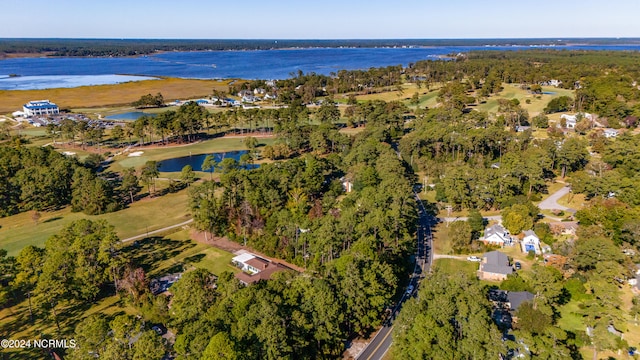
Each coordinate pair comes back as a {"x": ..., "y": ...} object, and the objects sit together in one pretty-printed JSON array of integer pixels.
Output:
[{"x": 136, "y": 153}]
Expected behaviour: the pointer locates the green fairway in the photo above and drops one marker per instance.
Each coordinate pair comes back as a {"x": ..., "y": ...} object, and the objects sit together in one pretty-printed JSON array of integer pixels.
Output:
[
  {"x": 513, "y": 91},
  {"x": 18, "y": 231}
]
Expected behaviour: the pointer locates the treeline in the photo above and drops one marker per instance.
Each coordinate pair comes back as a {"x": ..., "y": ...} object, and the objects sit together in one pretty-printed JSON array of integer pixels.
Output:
[
  {"x": 132, "y": 47},
  {"x": 34, "y": 178},
  {"x": 149, "y": 101},
  {"x": 41, "y": 179}
]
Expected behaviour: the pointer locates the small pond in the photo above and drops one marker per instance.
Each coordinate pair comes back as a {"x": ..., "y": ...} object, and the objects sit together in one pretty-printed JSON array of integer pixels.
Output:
[
  {"x": 176, "y": 164},
  {"x": 133, "y": 115}
]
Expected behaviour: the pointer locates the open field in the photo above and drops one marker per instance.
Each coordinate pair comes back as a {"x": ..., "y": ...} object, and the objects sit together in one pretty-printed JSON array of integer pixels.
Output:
[
  {"x": 178, "y": 250},
  {"x": 117, "y": 94},
  {"x": 453, "y": 266},
  {"x": 408, "y": 89},
  {"x": 573, "y": 201},
  {"x": 19, "y": 230},
  {"x": 513, "y": 91}
]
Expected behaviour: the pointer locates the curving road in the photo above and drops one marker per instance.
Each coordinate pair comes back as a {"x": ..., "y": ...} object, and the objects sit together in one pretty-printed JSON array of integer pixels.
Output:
[{"x": 381, "y": 342}]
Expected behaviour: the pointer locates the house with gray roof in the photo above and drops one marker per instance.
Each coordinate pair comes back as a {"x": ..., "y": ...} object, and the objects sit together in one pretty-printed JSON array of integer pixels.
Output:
[
  {"x": 494, "y": 266},
  {"x": 516, "y": 298},
  {"x": 496, "y": 235}
]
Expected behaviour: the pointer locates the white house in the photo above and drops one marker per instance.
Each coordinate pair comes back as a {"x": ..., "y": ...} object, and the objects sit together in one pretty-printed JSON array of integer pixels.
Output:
[
  {"x": 347, "y": 185},
  {"x": 530, "y": 242},
  {"x": 254, "y": 268},
  {"x": 250, "y": 263},
  {"x": 40, "y": 107},
  {"x": 496, "y": 235},
  {"x": 571, "y": 120},
  {"x": 555, "y": 82},
  {"x": 609, "y": 133}
]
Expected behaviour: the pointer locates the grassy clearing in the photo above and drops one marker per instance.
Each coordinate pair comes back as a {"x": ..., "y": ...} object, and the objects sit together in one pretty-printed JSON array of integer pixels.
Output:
[
  {"x": 573, "y": 201},
  {"x": 453, "y": 266},
  {"x": 189, "y": 254},
  {"x": 118, "y": 94},
  {"x": 513, "y": 91},
  {"x": 18, "y": 231},
  {"x": 392, "y": 94},
  {"x": 441, "y": 243}
]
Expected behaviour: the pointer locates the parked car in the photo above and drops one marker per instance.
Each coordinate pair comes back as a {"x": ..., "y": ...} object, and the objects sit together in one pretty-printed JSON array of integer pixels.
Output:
[
  {"x": 409, "y": 289},
  {"x": 474, "y": 258},
  {"x": 518, "y": 265},
  {"x": 159, "y": 329}
]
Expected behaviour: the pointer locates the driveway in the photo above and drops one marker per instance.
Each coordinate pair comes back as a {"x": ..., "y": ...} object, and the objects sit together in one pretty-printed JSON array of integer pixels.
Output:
[{"x": 551, "y": 203}]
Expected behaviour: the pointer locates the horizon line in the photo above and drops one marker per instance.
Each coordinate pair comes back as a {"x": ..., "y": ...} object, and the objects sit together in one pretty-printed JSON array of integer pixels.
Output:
[{"x": 555, "y": 38}]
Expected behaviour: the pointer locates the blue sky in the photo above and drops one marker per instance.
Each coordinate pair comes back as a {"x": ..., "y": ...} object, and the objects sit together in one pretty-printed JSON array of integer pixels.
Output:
[{"x": 328, "y": 19}]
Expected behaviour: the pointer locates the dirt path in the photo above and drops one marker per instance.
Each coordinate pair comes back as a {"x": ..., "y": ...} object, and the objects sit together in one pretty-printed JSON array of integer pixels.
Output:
[{"x": 141, "y": 236}]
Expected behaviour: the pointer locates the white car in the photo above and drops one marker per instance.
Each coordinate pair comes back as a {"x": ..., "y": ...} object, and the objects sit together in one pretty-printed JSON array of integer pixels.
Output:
[{"x": 474, "y": 258}]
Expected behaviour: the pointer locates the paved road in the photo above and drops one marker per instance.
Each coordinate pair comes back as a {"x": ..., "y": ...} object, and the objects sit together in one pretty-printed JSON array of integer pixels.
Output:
[
  {"x": 141, "y": 236},
  {"x": 551, "y": 202},
  {"x": 381, "y": 342}
]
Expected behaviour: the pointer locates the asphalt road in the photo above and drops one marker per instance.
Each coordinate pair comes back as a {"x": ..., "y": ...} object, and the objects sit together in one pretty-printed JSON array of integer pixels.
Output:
[{"x": 381, "y": 342}]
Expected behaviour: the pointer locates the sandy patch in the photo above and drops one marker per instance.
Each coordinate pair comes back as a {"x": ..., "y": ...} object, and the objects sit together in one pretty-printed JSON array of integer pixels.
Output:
[
  {"x": 136, "y": 153},
  {"x": 68, "y": 153}
]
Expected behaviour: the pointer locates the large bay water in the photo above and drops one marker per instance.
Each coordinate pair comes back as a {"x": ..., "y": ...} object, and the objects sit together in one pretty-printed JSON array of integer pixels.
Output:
[{"x": 250, "y": 64}]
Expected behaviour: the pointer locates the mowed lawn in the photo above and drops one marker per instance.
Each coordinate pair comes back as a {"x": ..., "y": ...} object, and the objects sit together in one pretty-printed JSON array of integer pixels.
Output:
[
  {"x": 453, "y": 266},
  {"x": 513, "y": 91},
  {"x": 20, "y": 230},
  {"x": 118, "y": 94},
  {"x": 186, "y": 253}
]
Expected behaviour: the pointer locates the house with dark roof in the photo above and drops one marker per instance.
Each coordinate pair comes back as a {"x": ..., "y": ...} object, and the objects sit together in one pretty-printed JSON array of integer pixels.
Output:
[
  {"x": 505, "y": 305},
  {"x": 494, "y": 266},
  {"x": 517, "y": 298}
]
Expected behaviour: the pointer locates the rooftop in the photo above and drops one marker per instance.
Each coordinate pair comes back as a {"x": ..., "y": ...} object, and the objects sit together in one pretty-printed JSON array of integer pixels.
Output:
[{"x": 265, "y": 274}]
